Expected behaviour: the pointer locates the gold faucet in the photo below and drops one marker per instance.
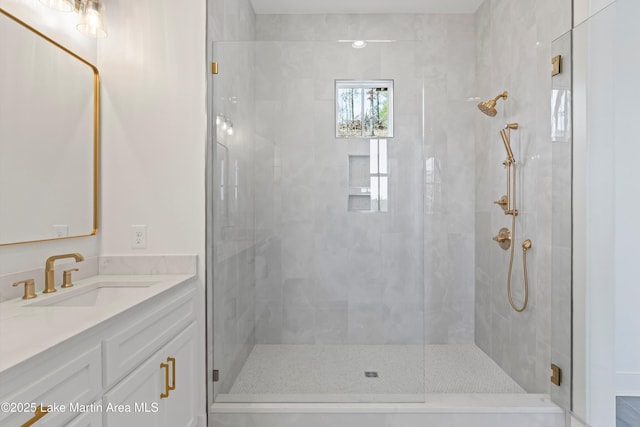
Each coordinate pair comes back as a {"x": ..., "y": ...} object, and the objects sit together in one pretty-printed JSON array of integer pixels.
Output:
[{"x": 49, "y": 281}]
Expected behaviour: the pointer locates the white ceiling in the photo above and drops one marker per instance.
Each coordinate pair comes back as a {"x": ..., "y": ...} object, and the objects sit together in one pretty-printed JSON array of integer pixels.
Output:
[{"x": 364, "y": 6}]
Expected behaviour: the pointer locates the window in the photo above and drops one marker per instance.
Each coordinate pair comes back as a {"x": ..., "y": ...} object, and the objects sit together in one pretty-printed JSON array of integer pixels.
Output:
[{"x": 364, "y": 109}]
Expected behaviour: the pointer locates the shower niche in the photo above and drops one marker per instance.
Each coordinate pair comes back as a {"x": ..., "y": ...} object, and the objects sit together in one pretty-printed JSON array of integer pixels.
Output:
[{"x": 369, "y": 179}]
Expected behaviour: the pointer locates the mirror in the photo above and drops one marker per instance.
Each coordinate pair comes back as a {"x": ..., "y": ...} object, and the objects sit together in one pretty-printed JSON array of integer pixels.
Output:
[{"x": 48, "y": 138}]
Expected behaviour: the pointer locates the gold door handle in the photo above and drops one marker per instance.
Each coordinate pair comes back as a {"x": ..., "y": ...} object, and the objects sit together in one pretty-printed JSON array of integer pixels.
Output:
[
  {"x": 172, "y": 360},
  {"x": 41, "y": 411},
  {"x": 165, "y": 366}
]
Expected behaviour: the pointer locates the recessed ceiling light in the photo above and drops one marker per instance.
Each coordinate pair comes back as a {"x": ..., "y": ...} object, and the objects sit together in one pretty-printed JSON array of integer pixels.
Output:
[{"x": 359, "y": 44}]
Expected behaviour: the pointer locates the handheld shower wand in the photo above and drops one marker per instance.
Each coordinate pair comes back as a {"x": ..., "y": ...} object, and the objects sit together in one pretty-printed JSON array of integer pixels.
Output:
[{"x": 506, "y": 139}]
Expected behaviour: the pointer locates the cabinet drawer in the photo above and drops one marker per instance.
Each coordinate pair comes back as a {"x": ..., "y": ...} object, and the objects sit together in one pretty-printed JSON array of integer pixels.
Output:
[
  {"x": 91, "y": 418},
  {"x": 134, "y": 344},
  {"x": 62, "y": 385}
]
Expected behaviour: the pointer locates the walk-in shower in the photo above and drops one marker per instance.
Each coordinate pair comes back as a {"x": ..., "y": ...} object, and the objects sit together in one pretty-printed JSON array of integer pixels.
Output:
[
  {"x": 323, "y": 288},
  {"x": 352, "y": 259}
]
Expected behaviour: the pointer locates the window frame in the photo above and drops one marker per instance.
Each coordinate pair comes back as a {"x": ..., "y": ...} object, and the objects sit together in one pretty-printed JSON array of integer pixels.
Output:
[{"x": 363, "y": 85}]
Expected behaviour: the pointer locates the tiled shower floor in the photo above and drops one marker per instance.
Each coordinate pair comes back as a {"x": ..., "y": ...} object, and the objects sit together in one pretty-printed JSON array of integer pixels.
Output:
[{"x": 292, "y": 370}]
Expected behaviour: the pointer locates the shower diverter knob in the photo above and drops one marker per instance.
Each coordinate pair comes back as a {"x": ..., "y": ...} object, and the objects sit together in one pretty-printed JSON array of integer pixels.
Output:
[{"x": 503, "y": 202}]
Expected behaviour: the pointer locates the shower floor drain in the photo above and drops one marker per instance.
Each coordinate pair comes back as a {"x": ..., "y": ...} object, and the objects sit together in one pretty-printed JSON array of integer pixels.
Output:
[{"x": 371, "y": 374}]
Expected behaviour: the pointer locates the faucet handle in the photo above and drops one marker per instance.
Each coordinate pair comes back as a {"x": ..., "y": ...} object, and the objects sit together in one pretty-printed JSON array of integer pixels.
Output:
[
  {"x": 29, "y": 288},
  {"x": 66, "y": 278}
]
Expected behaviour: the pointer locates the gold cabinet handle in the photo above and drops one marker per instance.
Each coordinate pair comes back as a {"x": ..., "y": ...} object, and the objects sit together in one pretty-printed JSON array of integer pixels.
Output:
[
  {"x": 172, "y": 360},
  {"x": 165, "y": 366},
  {"x": 41, "y": 411}
]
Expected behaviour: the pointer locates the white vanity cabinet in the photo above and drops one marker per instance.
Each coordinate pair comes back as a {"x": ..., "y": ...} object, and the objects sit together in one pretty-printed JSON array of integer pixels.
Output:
[
  {"x": 88, "y": 419},
  {"x": 137, "y": 368},
  {"x": 160, "y": 392},
  {"x": 53, "y": 381}
]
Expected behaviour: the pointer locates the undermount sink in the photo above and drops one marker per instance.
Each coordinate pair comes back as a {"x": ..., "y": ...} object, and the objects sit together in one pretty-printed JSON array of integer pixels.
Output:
[{"x": 95, "y": 294}]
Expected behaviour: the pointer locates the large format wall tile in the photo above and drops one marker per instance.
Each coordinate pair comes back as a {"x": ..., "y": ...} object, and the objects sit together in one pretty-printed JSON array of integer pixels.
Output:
[{"x": 513, "y": 53}]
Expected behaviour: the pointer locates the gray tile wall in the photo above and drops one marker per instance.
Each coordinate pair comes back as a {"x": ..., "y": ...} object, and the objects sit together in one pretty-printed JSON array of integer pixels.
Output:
[
  {"x": 514, "y": 54},
  {"x": 325, "y": 275}
]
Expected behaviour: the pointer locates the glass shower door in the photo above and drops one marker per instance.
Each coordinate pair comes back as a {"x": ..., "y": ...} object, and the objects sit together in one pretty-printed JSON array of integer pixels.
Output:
[
  {"x": 317, "y": 296},
  {"x": 561, "y": 139}
]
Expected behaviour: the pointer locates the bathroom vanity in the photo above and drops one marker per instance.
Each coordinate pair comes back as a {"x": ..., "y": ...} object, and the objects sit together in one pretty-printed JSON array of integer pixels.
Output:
[{"x": 114, "y": 350}]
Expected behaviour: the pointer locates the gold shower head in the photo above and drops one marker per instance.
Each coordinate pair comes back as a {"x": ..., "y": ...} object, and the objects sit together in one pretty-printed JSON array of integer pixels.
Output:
[{"x": 489, "y": 107}]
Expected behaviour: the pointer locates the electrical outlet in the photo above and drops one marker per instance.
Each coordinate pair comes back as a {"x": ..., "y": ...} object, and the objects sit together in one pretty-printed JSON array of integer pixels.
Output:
[{"x": 138, "y": 236}]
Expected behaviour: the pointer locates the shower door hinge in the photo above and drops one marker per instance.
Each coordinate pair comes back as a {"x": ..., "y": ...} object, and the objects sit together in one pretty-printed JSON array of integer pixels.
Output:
[
  {"x": 556, "y": 374},
  {"x": 216, "y": 375},
  {"x": 214, "y": 68},
  {"x": 556, "y": 61}
]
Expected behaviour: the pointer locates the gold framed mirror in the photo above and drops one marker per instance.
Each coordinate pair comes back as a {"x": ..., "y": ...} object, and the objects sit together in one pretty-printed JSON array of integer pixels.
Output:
[{"x": 49, "y": 138}]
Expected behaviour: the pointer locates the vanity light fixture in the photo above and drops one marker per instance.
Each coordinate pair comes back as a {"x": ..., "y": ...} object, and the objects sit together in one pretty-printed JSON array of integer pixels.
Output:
[
  {"x": 92, "y": 22},
  {"x": 61, "y": 5},
  {"x": 92, "y": 19}
]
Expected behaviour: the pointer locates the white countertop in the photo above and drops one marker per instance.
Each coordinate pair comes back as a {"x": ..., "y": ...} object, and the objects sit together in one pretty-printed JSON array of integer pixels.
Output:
[{"x": 27, "y": 330}]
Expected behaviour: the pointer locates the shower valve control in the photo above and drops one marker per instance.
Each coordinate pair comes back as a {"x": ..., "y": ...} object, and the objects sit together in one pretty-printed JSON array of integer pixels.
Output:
[{"x": 503, "y": 238}]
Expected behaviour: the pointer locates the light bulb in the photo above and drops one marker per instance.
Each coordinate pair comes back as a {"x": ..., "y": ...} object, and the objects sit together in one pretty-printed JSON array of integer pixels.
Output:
[{"x": 92, "y": 19}]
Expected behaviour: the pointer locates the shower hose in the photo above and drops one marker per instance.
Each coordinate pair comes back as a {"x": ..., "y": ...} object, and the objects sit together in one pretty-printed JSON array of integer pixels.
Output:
[{"x": 524, "y": 256}]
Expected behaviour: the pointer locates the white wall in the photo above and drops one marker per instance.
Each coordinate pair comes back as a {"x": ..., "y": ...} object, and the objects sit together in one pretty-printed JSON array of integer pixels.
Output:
[
  {"x": 627, "y": 177},
  {"x": 606, "y": 270},
  {"x": 154, "y": 131},
  {"x": 595, "y": 206}
]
